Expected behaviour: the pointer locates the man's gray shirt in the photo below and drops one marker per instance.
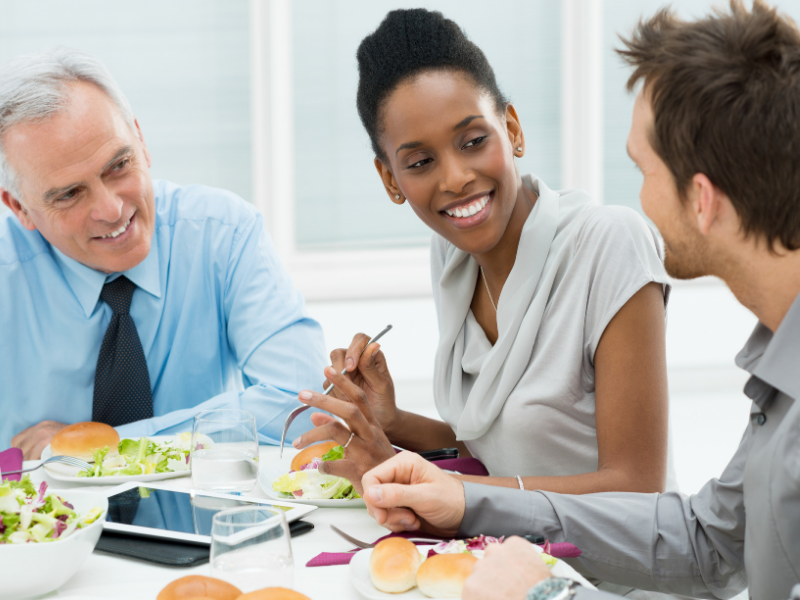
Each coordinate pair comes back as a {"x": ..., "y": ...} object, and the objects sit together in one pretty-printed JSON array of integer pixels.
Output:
[{"x": 741, "y": 530}]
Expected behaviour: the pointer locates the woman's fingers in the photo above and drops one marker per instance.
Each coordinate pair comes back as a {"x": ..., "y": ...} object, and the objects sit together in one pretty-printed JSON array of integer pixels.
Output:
[
  {"x": 348, "y": 411},
  {"x": 352, "y": 393},
  {"x": 332, "y": 430},
  {"x": 354, "y": 351}
]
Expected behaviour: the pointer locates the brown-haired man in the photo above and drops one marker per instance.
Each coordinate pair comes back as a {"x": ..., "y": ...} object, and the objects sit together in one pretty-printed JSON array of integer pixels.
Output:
[{"x": 716, "y": 133}]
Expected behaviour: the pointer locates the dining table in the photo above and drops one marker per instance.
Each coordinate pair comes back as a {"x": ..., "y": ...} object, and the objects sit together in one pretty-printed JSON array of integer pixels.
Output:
[{"x": 115, "y": 578}]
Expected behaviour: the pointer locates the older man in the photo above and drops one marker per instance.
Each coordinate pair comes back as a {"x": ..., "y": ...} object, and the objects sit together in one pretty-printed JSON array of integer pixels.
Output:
[
  {"x": 717, "y": 137},
  {"x": 129, "y": 301}
]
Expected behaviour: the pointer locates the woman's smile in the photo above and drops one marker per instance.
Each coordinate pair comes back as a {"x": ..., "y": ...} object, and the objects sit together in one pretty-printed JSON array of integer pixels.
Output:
[{"x": 469, "y": 212}]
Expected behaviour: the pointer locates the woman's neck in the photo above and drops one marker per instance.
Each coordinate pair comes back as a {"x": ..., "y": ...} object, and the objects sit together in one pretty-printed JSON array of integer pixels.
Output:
[{"x": 498, "y": 262}]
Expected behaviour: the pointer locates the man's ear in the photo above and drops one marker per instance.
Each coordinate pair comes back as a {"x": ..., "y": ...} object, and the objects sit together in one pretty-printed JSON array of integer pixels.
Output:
[
  {"x": 514, "y": 129},
  {"x": 706, "y": 201},
  {"x": 16, "y": 207},
  {"x": 395, "y": 195},
  {"x": 144, "y": 145}
]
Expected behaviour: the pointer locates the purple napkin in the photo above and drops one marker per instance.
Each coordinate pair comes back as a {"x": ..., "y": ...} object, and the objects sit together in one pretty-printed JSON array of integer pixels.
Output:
[
  {"x": 466, "y": 466},
  {"x": 327, "y": 559},
  {"x": 10, "y": 460}
]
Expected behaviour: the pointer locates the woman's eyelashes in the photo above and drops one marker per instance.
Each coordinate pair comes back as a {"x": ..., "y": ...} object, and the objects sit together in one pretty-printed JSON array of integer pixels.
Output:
[{"x": 473, "y": 143}]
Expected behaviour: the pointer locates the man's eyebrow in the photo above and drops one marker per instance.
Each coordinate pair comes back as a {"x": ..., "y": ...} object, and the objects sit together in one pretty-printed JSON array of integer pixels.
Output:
[
  {"x": 55, "y": 192},
  {"x": 460, "y": 125}
]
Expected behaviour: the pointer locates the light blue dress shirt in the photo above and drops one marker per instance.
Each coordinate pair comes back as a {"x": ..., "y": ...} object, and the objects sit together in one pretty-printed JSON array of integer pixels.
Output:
[{"x": 220, "y": 323}]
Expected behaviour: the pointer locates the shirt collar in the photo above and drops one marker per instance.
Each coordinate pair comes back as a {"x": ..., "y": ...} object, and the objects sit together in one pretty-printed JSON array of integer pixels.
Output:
[
  {"x": 87, "y": 283},
  {"x": 773, "y": 357}
]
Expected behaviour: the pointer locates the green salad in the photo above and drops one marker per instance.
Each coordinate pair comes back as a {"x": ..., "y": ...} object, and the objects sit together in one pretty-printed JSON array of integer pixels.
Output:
[
  {"x": 141, "y": 457},
  {"x": 310, "y": 484},
  {"x": 28, "y": 515}
]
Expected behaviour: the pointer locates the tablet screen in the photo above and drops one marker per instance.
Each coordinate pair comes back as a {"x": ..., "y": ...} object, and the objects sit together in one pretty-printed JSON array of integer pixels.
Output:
[{"x": 169, "y": 510}]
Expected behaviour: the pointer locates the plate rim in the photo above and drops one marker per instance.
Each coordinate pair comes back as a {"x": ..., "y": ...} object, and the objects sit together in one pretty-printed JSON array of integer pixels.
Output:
[
  {"x": 265, "y": 483},
  {"x": 114, "y": 479}
]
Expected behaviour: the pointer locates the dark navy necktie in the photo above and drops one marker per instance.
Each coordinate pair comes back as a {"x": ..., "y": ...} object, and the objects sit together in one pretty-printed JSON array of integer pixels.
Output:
[{"x": 121, "y": 384}]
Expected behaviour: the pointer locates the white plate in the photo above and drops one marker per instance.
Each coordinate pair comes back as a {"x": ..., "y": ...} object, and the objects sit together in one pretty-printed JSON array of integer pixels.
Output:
[
  {"x": 272, "y": 468},
  {"x": 62, "y": 472},
  {"x": 359, "y": 575}
]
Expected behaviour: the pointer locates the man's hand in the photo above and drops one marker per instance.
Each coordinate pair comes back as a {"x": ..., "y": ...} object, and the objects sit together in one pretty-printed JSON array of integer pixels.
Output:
[
  {"x": 508, "y": 570},
  {"x": 34, "y": 439},
  {"x": 407, "y": 493}
]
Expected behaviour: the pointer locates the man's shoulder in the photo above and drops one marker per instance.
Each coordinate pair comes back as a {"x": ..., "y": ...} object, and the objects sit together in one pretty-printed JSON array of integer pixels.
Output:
[
  {"x": 17, "y": 244},
  {"x": 175, "y": 203}
]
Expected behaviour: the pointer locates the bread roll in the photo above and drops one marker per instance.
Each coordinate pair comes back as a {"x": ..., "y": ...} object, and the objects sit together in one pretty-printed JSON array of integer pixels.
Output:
[
  {"x": 198, "y": 586},
  {"x": 443, "y": 575},
  {"x": 306, "y": 455},
  {"x": 393, "y": 565},
  {"x": 81, "y": 439},
  {"x": 273, "y": 593}
]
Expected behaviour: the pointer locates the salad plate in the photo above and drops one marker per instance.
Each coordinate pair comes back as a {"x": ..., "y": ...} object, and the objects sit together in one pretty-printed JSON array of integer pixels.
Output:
[
  {"x": 67, "y": 473},
  {"x": 274, "y": 468}
]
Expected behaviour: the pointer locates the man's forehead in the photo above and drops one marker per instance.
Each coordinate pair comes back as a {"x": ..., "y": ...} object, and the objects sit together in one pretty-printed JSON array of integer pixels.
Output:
[{"x": 74, "y": 142}]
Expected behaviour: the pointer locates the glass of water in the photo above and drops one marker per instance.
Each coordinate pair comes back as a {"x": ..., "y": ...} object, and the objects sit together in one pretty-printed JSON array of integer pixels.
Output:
[
  {"x": 224, "y": 452},
  {"x": 251, "y": 548}
]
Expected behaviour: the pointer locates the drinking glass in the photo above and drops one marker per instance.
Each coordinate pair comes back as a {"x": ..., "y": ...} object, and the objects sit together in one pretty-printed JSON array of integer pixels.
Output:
[
  {"x": 224, "y": 452},
  {"x": 251, "y": 548}
]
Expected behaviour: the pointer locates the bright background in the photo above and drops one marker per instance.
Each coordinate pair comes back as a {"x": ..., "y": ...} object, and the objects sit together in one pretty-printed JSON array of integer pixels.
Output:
[{"x": 258, "y": 97}]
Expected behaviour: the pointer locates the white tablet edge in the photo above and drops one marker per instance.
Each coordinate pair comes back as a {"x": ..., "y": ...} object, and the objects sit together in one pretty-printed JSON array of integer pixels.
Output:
[{"x": 297, "y": 511}]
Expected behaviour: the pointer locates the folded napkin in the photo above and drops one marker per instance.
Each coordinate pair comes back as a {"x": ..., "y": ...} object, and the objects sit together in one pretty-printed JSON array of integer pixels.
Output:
[
  {"x": 10, "y": 460},
  {"x": 327, "y": 559},
  {"x": 466, "y": 466}
]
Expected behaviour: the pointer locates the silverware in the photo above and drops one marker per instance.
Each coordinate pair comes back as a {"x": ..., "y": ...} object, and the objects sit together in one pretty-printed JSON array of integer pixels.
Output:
[
  {"x": 301, "y": 409},
  {"x": 366, "y": 546},
  {"x": 68, "y": 460}
]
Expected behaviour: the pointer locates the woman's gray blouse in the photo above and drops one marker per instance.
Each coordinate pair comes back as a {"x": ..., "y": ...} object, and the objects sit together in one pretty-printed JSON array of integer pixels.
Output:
[{"x": 526, "y": 405}]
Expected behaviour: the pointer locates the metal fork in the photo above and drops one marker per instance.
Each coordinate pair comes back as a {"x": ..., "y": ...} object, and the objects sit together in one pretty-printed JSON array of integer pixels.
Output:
[
  {"x": 301, "y": 409},
  {"x": 68, "y": 460},
  {"x": 365, "y": 545}
]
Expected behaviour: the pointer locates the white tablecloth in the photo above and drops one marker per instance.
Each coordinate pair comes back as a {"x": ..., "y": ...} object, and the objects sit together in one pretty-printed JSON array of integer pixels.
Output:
[{"x": 111, "y": 577}]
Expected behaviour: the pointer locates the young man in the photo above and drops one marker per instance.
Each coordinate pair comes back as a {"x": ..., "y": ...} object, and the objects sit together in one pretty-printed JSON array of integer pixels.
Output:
[{"x": 716, "y": 133}]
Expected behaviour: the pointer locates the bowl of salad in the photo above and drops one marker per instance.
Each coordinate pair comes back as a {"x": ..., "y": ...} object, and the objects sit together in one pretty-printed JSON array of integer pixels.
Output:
[{"x": 45, "y": 536}]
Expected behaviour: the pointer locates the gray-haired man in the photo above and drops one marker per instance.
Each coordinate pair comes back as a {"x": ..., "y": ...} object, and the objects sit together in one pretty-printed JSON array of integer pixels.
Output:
[
  {"x": 127, "y": 301},
  {"x": 716, "y": 134}
]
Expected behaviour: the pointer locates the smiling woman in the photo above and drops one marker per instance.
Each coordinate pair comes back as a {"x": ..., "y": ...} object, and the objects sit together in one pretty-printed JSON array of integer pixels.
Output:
[{"x": 550, "y": 364}]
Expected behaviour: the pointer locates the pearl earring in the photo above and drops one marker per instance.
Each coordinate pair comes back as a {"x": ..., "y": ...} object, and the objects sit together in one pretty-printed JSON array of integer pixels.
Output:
[
  {"x": 519, "y": 148},
  {"x": 397, "y": 196}
]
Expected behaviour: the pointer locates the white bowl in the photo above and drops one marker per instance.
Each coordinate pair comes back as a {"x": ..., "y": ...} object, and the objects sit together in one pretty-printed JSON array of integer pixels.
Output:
[{"x": 33, "y": 569}]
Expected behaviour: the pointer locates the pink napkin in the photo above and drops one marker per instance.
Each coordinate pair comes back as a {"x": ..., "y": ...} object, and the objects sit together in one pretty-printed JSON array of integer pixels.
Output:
[
  {"x": 466, "y": 466},
  {"x": 327, "y": 559},
  {"x": 10, "y": 460}
]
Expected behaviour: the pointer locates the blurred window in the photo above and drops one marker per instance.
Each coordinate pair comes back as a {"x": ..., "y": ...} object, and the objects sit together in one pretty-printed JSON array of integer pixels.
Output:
[{"x": 183, "y": 64}]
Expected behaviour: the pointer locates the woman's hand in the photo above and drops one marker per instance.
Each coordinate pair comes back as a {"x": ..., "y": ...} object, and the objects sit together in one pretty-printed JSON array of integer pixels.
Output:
[
  {"x": 368, "y": 446},
  {"x": 368, "y": 370}
]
